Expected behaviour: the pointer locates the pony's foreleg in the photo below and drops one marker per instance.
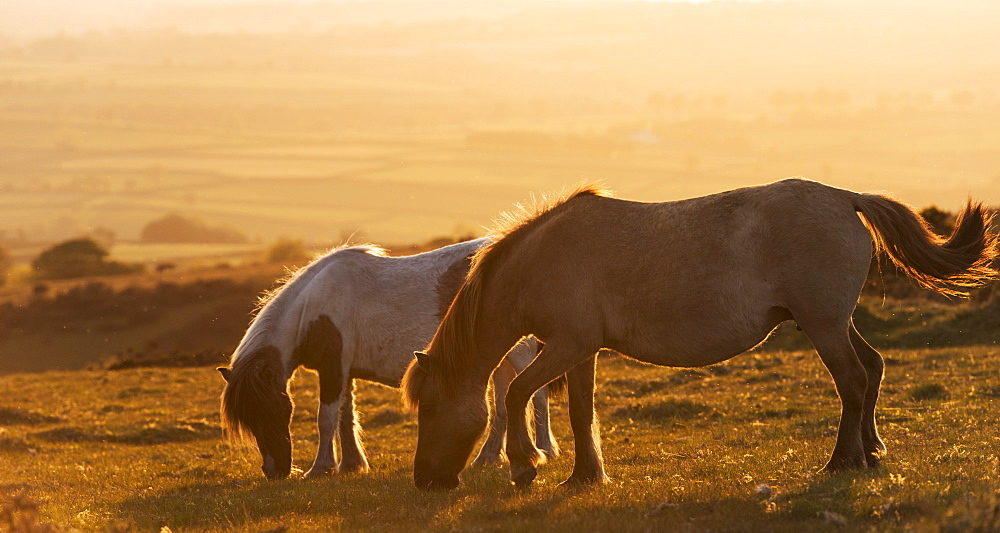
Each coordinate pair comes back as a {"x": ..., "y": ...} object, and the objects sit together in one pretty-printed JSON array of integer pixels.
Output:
[
  {"x": 352, "y": 453},
  {"x": 327, "y": 418},
  {"x": 875, "y": 367},
  {"x": 492, "y": 450},
  {"x": 520, "y": 356},
  {"x": 554, "y": 360},
  {"x": 331, "y": 395},
  {"x": 589, "y": 463},
  {"x": 833, "y": 343}
]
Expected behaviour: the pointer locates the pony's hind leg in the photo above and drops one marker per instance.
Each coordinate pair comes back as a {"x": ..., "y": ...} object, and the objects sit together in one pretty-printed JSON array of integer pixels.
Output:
[
  {"x": 544, "y": 439},
  {"x": 589, "y": 463},
  {"x": 352, "y": 453},
  {"x": 833, "y": 343},
  {"x": 875, "y": 367},
  {"x": 492, "y": 450}
]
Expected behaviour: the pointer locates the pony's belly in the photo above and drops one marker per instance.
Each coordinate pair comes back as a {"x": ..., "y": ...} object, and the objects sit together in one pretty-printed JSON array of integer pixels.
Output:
[{"x": 704, "y": 343}]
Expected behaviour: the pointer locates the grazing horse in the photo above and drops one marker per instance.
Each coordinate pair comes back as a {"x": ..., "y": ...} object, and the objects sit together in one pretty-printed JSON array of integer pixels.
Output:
[
  {"x": 354, "y": 313},
  {"x": 686, "y": 283}
]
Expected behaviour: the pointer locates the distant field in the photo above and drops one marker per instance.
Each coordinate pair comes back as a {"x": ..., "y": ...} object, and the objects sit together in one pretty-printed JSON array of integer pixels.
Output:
[
  {"x": 686, "y": 449},
  {"x": 324, "y": 155},
  {"x": 206, "y": 254}
]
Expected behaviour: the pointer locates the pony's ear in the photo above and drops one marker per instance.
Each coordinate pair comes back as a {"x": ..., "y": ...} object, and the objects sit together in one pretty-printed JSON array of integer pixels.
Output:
[
  {"x": 226, "y": 372},
  {"x": 423, "y": 360}
]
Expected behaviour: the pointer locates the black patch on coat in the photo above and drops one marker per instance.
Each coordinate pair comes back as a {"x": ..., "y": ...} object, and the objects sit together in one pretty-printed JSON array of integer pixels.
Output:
[
  {"x": 321, "y": 351},
  {"x": 449, "y": 283}
]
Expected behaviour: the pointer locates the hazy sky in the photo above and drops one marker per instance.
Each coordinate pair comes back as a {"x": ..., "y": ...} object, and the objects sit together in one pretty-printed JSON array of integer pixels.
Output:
[{"x": 33, "y": 18}]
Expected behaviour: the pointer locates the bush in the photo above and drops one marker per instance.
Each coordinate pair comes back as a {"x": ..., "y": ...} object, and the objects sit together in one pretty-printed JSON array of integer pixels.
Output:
[
  {"x": 78, "y": 258},
  {"x": 288, "y": 252},
  {"x": 180, "y": 229}
]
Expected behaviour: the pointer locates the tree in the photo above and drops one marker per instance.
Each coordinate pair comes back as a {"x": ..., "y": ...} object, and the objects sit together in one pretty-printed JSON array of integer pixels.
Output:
[{"x": 77, "y": 258}]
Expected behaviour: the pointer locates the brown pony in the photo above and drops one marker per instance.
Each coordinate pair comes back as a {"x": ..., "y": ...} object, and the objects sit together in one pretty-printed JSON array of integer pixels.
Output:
[{"x": 685, "y": 284}]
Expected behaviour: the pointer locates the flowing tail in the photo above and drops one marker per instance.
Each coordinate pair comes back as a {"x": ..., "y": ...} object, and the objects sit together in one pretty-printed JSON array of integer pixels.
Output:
[{"x": 951, "y": 266}]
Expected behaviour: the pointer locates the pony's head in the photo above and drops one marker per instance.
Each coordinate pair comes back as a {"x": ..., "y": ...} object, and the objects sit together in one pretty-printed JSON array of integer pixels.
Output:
[
  {"x": 450, "y": 421},
  {"x": 255, "y": 403}
]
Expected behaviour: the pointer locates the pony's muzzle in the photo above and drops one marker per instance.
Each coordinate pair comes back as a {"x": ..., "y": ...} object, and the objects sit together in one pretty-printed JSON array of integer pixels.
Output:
[{"x": 272, "y": 470}]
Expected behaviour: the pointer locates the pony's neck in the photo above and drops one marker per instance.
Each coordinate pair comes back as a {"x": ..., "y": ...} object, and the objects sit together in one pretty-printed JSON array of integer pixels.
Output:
[{"x": 475, "y": 362}]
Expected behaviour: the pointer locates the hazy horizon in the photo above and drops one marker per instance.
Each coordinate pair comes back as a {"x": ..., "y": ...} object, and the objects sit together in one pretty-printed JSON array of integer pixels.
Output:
[
  {"x": 407, "y": 119},
  {"x": 30, "y": 19}
]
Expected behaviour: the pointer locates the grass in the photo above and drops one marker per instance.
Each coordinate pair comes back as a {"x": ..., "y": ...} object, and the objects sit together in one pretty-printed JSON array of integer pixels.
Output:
[{"x": 731, "y": 447}]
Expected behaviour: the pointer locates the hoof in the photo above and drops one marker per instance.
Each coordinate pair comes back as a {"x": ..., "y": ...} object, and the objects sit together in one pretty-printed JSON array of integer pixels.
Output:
[
  {"x": 547, "y": 454},
  {"x": 879, "y": 446},
  {"x": 524, "y": 478},
  {"x": 576, "y": 481},
  {"x": 491, "y": 459},
  {"x": 318, "y": 472},
  {"x": 844, "y": 464},
  {"x": 874, "y": 457},
  {"x": 872, "y": 460},
  {"x": 353, "y": 468}
]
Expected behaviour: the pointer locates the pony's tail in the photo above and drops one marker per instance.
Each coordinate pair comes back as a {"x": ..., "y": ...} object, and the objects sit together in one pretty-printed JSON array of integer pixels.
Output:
[{"x": 951, "y": 266}]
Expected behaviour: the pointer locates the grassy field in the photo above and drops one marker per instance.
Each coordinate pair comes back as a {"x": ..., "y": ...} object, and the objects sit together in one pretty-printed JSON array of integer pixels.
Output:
[{"x": 735, "y": 446}]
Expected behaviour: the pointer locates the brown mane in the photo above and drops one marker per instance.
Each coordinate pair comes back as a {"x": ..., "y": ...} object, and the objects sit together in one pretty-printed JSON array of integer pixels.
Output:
[
  {"x": 250, "y": 399},
  {"x": 454, "y": 343}
]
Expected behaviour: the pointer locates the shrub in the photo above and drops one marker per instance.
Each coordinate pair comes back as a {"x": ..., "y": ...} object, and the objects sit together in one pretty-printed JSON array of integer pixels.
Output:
[
  {"x": 78, "y": 258},
  {"x": 288, "y": 252}
]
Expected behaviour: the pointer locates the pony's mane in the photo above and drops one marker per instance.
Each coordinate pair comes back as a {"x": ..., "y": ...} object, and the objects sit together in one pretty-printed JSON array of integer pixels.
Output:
[
  {"x": 292, "y": 275},
  {"x": 524, "y": 215},
  {"x": 250, "y": 399},
  {"x": 271, "y": 303},
  {"x": 453, "y": 344}
]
